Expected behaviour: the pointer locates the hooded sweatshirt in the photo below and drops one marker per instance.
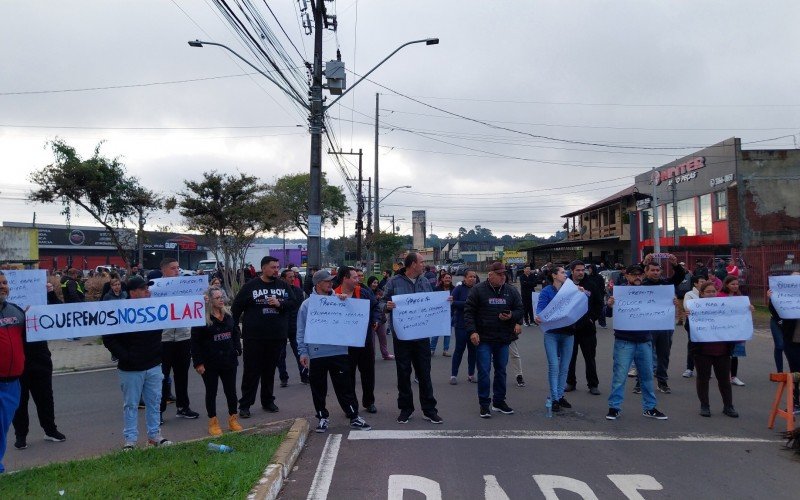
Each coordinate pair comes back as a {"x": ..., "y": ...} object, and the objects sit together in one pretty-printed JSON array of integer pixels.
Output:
[
  {"x": 260, "y": 320},
  {"x": 314, "y": 350},
  {"x": 12, "y": 333}
]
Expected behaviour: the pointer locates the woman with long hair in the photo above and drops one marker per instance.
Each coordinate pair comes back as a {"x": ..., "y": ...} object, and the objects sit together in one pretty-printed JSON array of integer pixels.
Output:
[
  {"x": 716, "y": 355},
  {"x": 445, "y": 285},
  {"x": 372, "y": 284},
  {"x": 730, "y": 288},
  {"x": 558, "y": 342},
  {"x": 216, "y": 347}
]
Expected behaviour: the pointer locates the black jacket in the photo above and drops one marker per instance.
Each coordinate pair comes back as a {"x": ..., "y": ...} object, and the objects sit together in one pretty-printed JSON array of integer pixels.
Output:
[
  {"x": 37, "y": 355},
  {"x": 292, "y": 310},
  {"x": 72, "y": 290},
  {"x": 259, "y": 320},
  {"x": 528, "y": 283},
  {"x": 484, "y": 304},
  {"x": 218, "y": 345},
  {"x": 135, "y": 352}
]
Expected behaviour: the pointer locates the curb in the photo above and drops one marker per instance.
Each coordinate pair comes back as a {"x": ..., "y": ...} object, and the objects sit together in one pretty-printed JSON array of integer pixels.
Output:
[{"x": 276, "y": 472}]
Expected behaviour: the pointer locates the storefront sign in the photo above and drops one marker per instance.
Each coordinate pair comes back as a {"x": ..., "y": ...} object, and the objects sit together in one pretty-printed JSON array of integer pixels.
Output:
[
  {"x": 716, "y": 181},
  {"x": 681, "y": 173}
]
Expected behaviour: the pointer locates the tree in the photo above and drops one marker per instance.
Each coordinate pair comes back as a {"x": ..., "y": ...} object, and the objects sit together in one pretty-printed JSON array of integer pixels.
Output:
[
  {"x": 98, "y": 185},
  {"x": 144, "y": 203},
  {"x": 232, "y": 211},
  {"x": 289, "y": 199},
  {"x": 387, "y": 246}
]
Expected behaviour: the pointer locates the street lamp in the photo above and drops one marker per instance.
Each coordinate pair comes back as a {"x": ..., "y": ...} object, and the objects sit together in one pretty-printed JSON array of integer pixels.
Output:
[
  {"x": 392, "y": 191},
  {"x": 317, "y": 111}
]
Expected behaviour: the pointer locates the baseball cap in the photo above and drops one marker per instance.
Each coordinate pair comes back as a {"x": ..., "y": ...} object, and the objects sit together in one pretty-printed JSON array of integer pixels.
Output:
[
  {"x": 320, "y": 276},
  {"x": 497, "y": 267},
  {"x": 137, "y": 282},
  {"x": 634, "y": 270}
]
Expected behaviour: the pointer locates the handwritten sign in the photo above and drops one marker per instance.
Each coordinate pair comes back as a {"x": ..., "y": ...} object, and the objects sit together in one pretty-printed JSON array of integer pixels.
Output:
[
  {"x": 644, "y": 308},
  {"x": 84, "y": 319},
  {"x": 534, "y": 299},
  {"x": 27, "y": 287},
  {"x": 179, "y": 286},
  {"x": 333, "y": 321},
  {"x": 565, "y": 309},
  {"x": 720, "y": 319},
  {"x": 421, "y": 315},
  {"x": 785, "y": 295}
]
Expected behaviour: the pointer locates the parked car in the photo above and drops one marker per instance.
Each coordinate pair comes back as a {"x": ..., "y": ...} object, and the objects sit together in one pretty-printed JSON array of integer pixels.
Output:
[{"x": 207, "y": 266}]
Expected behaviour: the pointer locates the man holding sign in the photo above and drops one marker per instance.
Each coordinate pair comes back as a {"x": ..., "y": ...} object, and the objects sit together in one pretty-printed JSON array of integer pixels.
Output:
[
  {"x": 323, "y": 360},
  {"x": 140, "y": 376},
  {"x": 415, "y": 352}
]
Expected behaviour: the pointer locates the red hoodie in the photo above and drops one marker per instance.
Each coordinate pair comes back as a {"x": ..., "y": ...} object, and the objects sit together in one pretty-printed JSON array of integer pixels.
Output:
[{"x": 12, "y": 329}]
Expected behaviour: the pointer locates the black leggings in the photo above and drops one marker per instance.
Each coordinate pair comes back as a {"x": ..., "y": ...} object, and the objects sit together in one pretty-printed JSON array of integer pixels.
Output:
[
  {"x": 722, "y": 370},
  {"x": 211, "y": 378}
]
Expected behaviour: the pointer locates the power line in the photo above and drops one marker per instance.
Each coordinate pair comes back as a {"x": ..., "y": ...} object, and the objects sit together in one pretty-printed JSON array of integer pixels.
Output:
[{"x": 80, "y": 127}]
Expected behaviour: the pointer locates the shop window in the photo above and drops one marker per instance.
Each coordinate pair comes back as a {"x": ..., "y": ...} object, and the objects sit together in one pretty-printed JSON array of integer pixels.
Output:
[
  {"x": 687, "y": 223},
  {"x": 721, "y": 203},
  {"x": 705, "y": 215},
  {"x": 669, "y": 220}
]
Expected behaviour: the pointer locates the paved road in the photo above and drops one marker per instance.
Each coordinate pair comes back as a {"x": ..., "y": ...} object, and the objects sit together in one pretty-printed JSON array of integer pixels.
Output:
[
  {"x": 520, "y": 454},
  {"x": 524, "y": 454}
]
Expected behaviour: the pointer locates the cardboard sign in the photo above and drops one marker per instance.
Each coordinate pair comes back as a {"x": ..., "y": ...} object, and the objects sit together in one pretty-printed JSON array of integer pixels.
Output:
[
  {"x": 720, "y": 319},
  {"x": 27, "y": 287},
  {"x": 644, "y": 308},
  {"x": 333, "y": 321},
  {"x": 85, "y": 319},
  {"x": 421, "y": 315}
]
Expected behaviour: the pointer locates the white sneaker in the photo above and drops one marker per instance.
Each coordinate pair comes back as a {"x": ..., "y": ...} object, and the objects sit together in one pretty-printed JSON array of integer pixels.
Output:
[
  {"x": 688, "y": 374},
  {"x": 736, "y": 381},
  {"x": 453, "y": 381},
  {"x": 633, "y": 371}
]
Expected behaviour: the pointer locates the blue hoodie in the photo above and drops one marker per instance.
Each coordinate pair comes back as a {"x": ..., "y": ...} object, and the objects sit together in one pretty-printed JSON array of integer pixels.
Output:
[{"x": 314, "y": 350}]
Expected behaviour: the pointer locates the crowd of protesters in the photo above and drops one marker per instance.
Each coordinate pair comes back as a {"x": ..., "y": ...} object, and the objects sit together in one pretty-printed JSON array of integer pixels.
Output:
[{"x": 268, "y": 316}]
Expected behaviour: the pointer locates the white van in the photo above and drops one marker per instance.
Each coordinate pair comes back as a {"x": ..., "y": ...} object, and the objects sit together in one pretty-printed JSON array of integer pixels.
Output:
[{"x": 207, "y": 266}]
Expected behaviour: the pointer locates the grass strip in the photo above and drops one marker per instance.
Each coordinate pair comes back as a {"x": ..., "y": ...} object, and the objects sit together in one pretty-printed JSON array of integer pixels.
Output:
[{"x": 186, "y": 470}]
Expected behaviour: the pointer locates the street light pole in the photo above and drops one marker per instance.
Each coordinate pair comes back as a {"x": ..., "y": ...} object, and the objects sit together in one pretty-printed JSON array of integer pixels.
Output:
[{"x": 392, "y": 191}]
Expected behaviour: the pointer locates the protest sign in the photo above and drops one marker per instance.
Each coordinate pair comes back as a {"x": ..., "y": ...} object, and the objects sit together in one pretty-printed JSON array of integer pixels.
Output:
[
  {"x": 565, "y": 309},
  {"x": 27, "y": 287},
  {"x": 644, "y": 308},
  {"x": 179, "y": 286},
  {"x": 786, "y": 295},
  {"x": 720, "y": 319},
  {"x": 534, "y": 299},
  {"x": 333, "y": 321},
  {"x": 421, "y": 315},
  {"x": 85, "y": 319}
]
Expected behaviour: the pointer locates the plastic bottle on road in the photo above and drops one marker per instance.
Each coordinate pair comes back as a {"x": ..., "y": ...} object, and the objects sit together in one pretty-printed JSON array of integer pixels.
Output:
[
  {"x": 219, "y": 448},
  {"x": 548, "y": 406}
]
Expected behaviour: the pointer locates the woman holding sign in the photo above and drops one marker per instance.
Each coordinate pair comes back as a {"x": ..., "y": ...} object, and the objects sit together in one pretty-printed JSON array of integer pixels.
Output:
[
  {"x": 716, "y": 355},
  {"x": 730, "y": 288},
  {"x": 557, "y": 342},
  {"x": 215, "y": 348}
]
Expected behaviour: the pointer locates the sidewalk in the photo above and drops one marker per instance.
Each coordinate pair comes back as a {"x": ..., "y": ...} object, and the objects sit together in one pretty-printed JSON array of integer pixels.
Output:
[{"x": 87, "y": 353}]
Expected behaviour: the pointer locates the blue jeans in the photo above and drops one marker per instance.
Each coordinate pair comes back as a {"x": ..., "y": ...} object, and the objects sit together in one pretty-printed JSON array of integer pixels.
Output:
[
  {"x": 492, "y": 354},
  {"x": 625, "y": 353},
  {"x": 462, "y": 342},
  {"x": 435, "y": 342},
  {"x": 558, "y": 348},
  {"x": 9, "y": 401},
  {"x": 777, "y": 338},
  {"x": 146, "y": 385}
]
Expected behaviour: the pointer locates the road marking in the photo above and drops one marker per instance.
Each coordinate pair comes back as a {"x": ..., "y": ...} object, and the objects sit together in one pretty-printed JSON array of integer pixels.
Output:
[
  {"x": 81, "y": 372},
  {"x": 375, "y": 435},
  {"x": 324, "y": 475}
]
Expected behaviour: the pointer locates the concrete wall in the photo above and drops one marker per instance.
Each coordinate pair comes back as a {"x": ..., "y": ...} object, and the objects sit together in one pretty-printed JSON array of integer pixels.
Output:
[
  {"x": 19, "y": 244},
  {"x": 768, "y": 198}
]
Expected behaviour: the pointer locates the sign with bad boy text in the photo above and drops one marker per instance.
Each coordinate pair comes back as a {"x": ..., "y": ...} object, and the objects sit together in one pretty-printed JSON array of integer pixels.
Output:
[
  {"x": 720, "y": 319},
  {"x": 566, "y": 308},
  {"x": 421, "y": 315},
  {"x": 785, "y": 295},
  {"x": 333, "y": 321},
  {"x": 644, "y": 308},
  {"x": 179, "y": 286},
  {"x": 27, "y": 287},
  {"x": 85, "y": 319}
]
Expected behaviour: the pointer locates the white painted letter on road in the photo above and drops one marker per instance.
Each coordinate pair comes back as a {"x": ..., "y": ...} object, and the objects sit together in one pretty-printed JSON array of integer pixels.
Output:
[
  {"x": 549, "y": 484},
  {"x": 399, "y": 483}
]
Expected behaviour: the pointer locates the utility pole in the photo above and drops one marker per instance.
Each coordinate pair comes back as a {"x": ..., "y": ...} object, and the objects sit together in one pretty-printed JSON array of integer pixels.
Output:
[
  {"x": 394, "y": 233},
  {"x": 675, "y": 237},
  {"x": 316, "y": 124},
  {"x": 359, "y": 201},
  {"x": 368, "y": 238},
  {"x": 656, "y": 236},
  {"x": 377, "y": 193}
]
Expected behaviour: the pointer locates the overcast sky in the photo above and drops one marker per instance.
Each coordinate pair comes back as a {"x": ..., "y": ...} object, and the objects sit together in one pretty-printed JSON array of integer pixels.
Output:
[{"x": 647, "y": 74}]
